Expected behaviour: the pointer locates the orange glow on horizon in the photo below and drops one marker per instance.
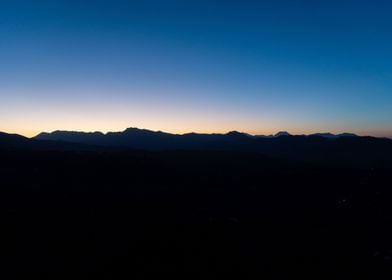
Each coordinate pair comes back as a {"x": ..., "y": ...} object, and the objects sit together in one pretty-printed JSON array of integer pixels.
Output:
[{"x": 177, "y": 130}]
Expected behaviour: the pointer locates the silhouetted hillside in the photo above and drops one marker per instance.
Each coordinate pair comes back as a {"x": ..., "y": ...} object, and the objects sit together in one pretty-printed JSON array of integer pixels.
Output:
[
  {"x": 139, "y": 204},
  {"x": 191, "y": 215},
  {"x": 16, "y": 142},
  {"x": 12, "y": 140}
]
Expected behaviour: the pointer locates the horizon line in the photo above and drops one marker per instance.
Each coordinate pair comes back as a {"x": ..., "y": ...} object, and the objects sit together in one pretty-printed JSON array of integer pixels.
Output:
[{"x": 193, "y": 132}]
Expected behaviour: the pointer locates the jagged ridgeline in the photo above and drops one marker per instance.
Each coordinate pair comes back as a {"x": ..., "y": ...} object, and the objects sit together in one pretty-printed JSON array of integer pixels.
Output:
[{"x": 322, "y": 148}]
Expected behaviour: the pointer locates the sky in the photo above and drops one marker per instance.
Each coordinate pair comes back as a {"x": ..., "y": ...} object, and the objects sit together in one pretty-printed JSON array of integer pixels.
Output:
[{"x": 196, "y": 65}]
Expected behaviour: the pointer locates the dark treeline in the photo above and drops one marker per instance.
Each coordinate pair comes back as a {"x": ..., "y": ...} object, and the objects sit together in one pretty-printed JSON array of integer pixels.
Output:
[{"x": 191, "y": 215}]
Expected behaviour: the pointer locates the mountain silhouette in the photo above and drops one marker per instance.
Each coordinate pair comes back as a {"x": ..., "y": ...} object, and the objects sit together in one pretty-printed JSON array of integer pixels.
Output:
[
  {"x": 282, "y": 133},
  {"x": 146, "y": 139},
  {"x": 79, "y": 200},
  {"x": 322, "y": 148},
  {"x": 12, "y": 139},
  {"x": 330, "y": 135},
  {"x": 18, "y": 142},
  {"x": 143, "y": 138},
  {"x": 325, "y": 148}
]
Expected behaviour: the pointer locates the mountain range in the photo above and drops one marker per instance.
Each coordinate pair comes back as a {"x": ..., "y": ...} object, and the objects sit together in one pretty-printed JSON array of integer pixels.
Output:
[
  {"x": 321, "y": 148},
  {"x": 148, "y": 139}
]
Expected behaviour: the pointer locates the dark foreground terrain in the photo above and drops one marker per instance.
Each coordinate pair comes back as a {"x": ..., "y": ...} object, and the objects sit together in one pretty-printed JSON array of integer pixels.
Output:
[{"x": 190, "y": 215}]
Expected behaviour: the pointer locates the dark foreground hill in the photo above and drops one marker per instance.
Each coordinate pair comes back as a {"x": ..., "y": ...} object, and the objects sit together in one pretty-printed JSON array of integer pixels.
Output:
[{"x": 88, "y": 214}]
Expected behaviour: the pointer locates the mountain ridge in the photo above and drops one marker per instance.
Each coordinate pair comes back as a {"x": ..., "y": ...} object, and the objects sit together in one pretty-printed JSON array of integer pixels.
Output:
[
  {"x": 148, "y": 131},
  {"x": 325, "y": 149}
]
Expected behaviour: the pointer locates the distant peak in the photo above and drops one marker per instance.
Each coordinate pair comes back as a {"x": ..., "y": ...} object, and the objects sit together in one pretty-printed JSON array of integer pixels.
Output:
[
  {"x": 345, "y": 134},
  {"x": 130, "y": 129},
  {"x": 71, "y": 132},
  {"x": 331, "y": 135},
  {"x": 282, "y": 133},
  {"x": 135, "y": 130},
  {"x": 11, "y": 135},
  {"x": 233, "y": 132},
  {"x": 236, "y": 133}
]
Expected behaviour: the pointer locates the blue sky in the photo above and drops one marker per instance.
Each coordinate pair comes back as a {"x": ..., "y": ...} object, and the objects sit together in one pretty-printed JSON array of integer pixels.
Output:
[{"x": 180, "y": 66}]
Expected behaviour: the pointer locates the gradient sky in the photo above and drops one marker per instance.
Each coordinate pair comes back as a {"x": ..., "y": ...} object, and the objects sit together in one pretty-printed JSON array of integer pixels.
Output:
[{"x": 196, "y": 65}]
